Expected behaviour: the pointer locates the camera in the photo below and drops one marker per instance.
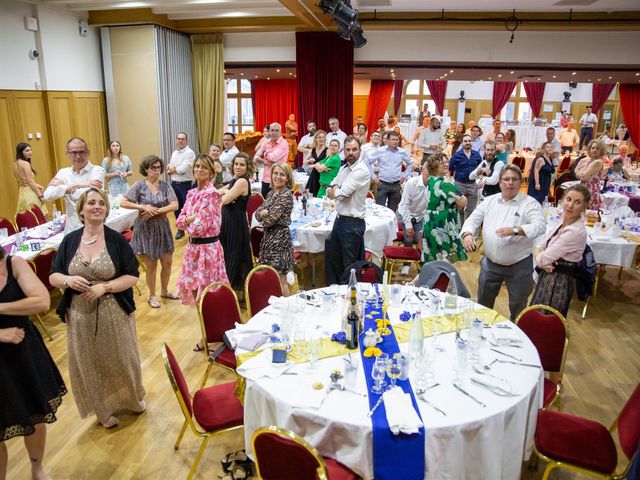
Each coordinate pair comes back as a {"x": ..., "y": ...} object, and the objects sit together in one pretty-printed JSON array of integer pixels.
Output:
[{"x": 33, "y": 54}]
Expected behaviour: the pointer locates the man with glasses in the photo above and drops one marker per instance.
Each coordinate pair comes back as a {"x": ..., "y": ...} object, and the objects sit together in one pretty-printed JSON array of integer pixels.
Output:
[
  {"x": 229, "y": 152},
  {"x": 71, "y": 181},
  {"x": 276, "y": 150},
  {"x": 510, "y": 223},
  {"x": 180, "y": 169}
]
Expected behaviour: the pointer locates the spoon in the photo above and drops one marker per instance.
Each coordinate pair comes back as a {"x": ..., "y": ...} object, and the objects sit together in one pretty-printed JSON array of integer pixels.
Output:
[
  {"x": 481, "y": 372},
  {"x": 420, "y": 394}
]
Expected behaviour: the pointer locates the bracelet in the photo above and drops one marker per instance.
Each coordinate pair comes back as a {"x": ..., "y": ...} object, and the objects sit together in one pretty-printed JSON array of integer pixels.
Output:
[
  {"x": 65, "y": 283},
  {"x": 108, "y": 286}
]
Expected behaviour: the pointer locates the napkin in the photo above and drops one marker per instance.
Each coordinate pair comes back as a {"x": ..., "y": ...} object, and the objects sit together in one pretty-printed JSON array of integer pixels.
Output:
[
  {"x": 242, "y": 330},
  {"x": 261, "y": 366},
  {"x": 307, "y": 397},
  {"x": 277, "y": 301},
  {"x": 401, "y": 415},
  {"x": 252, "y": 342}
]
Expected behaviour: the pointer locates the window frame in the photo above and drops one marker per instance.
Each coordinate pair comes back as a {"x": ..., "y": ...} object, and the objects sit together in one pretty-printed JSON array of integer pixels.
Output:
[{"x": 240, "y": 126}]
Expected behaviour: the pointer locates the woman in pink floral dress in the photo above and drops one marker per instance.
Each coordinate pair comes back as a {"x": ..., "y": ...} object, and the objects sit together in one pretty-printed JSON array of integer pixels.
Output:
[
  {"x": 201, "y": 218},
  {"x": 588, "y": 172}
]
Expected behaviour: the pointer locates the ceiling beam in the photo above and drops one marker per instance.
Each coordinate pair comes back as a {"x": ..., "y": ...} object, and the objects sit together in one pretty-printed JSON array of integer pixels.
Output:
[{"x": 308, "y": 13}]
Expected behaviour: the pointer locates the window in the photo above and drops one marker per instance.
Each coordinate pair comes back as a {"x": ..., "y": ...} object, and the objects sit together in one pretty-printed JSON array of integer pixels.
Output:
[
  {"x": 518, "y": 109},
  {"x": 239, "y": 108},
  {"x": 416, "y": 94}
]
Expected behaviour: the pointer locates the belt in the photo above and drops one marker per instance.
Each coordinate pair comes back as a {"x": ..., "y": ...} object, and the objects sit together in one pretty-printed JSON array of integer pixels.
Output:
[
  {"x": 202, "y": 240},
  {"x": 182, "y": 183},
  {"x": 390, "y": 183}
]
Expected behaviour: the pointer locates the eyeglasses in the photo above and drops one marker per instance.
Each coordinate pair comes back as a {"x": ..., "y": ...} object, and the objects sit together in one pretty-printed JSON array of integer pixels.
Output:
[
  {"x": 155, "y": 167},
  {"x": 77, "y": 154}
]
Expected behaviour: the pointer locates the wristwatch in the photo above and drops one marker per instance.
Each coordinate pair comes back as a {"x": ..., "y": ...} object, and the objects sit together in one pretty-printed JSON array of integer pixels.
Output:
[{"x": 515, "y": 230}]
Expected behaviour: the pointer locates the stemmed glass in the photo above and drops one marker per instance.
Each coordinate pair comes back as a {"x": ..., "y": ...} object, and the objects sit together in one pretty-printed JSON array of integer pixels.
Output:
[
  {"x": 394, "y": 369},
  {"x": 314, "y": 346},
  {"x": 378, "y": 373}
]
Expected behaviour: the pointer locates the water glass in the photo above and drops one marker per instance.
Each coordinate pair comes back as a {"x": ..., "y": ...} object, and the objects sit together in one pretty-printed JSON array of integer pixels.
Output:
[
  {"x": 379, "y": 372},
  {"x": 314, "y": 346},
  {"x": 351, "y": 370}
]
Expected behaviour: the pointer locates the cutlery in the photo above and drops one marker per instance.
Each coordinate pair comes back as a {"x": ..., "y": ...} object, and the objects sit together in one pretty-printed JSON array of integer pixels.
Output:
[
  {"x": 462, "y": 390},
  {"x": 518, "y": 363},
  {"x": 342, "y": 388},
  {"x": 478, "y": 370},
  {"x": 377, "y": 404},
  {"x": 495, "y": 389},
  {"x": 505, "y": 354},
  {"x": 330, "y": 389},
  {"x": 420, "y": 395}
]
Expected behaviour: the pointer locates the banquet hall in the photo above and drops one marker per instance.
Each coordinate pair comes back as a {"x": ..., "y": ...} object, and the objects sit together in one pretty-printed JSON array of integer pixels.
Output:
[{"x": 141, "y": 72}]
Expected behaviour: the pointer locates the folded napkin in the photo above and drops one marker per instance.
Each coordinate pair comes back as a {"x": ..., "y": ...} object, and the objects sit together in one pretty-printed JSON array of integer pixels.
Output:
[
  {"x": 261, "y": 366},
  {"x": 277, "y": 301},
  {"x": 241, "y": 331},
  {"x": 252, "y": 342},
  {"x": 307, "y": 397},
  {"x": 401, "y": 415}
]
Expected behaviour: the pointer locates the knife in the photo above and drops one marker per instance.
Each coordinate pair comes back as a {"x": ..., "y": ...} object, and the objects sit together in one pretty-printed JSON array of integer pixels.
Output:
[
  {"x": 421, "y": 397},
  {"x": 519, "y": 363},
  {"x": 506, "y": 354},
  {"x": 377, "y": 404},
  {"x": 460, "y": 389}
]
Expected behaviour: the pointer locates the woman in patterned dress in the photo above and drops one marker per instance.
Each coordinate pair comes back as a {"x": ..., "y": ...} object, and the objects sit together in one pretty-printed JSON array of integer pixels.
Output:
[
  {"x": 97, "y": 269},
  {"x": 117, "y": 167},
  {"x": 442, "y": 220},
  {"x": 276, "y": 248},
  {"x": 588, "y": 172},
  {"x": 152, "y": 238}
]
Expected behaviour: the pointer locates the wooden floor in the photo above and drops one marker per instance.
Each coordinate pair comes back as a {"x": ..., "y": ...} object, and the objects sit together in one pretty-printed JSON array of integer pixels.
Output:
[{"x": 602, "y": 369}]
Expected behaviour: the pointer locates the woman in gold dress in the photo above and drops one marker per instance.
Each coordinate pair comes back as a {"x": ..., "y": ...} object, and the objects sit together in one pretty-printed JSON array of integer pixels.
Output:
[
  {"x": 29, "y": 193},
  {"x": 97, "y": 268}
]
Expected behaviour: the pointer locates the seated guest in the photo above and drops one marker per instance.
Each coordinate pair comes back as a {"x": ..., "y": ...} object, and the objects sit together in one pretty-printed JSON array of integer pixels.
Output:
[
  {"x": 568, "y": 138},
  {"x": 623, "y": 151},
  {"x": 510, "y": 141},
  {"x": 450, "y": 134},
  {"x": 328, "y": 168},
  {"x": 622, "y": 133},
  {"x": 617, "y": 173},
  {"x": 542, "y": 170},
  {"x": 471, "y": 124},
  {"x": 561, "y": 250},
  {"x": 441, "y": 219},
  {"x": 588, "y": 172},
  {"x": 413, "y": 204},
  {"x": 488, "y": 171}
]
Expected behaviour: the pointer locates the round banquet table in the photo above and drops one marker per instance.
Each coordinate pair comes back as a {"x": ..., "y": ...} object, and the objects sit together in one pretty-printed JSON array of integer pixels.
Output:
[
  {"x": 470, "y": 442},
  {"x": 531, "y": 136},
  {"x": 528, "y": 160},
  {"x": 300, "y": 180}
]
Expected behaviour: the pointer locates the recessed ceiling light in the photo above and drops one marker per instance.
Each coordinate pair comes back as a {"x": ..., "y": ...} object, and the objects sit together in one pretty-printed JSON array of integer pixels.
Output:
[
  {"x": 499, "y": 75},
  {"x": 451, "y": 71},
  {"x": 539, "y": 79},
  {"x": 256, "y": 76},
  {"x": 226, "y": 71},
  {"x": 489, "y": 78},
  {"x": 554, "y": 76},
  {"x": 610, "y": 78},
  {"x": 637, "y": 74},
  {"x": 268, "y": 78},
  {"x": 573, "y": 73},
  {"x": 290, "y": 73},
  {"x": 392, "y": 70},
  {"x": 599, "y": 79},
  {"x": 512, "y": 72},
  {"x": 446, "y": 74},
  {"x": 278, "y": 70},
  {"x": 241, "y": 73}
]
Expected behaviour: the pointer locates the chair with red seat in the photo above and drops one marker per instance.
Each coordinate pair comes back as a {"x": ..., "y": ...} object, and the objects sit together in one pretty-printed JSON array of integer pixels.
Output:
[
  {"x": 41, "y": 266},
  {"x": 442, "y": 283},
  {"x": 38, "y": 214},
  {"x": 564, "y": 165},
  {"x": 26, "y": 219},
  {"x": 634, "y": 203},
  {"x": 262, "y": 282},
  {"x": 280, "y": 454},
  {"x": 394, "y": 254},
  {"x": 218, "y": 311},
  {"x": 255, "y": 200},
  {"x": 8, "y": 224},
  {"x": 549, "y": 333},
  {"x": 582, "y": 445},
  {"x": 255, "y": 237},
  {"x": 216, "y": 409},
  {"x": 371, "y": 195}
]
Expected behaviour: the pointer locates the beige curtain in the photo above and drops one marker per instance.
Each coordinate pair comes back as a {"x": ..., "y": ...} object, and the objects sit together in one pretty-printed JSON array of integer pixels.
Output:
[{"x": 207, "y": 60}]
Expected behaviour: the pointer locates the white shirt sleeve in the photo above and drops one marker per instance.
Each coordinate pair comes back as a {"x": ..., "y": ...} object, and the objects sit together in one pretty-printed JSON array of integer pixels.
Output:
[{"x": 473, "y": 222}]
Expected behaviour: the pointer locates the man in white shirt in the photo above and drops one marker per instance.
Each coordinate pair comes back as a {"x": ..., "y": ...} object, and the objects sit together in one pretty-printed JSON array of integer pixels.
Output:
[
  {"x": 413, "y": 205},
  {"x": 368, "y": 149},
  {"x": 551, "y": 138},
  {"x": 306, "y": 141},
  {"x": 345, "y": 244},
  {"x": 71, "y": 182},
  {"x": 180, "y": 169},
  {"x": 491, "y": 136},
  {"x": 335, "y": 133},
  {"x": 229, "y": 152},
  {"x": 587, "y": 123},
  {"x": 568, "y": 138},
  {"x": 511, "y": 220},
  {"x": 431, "y": 140}
]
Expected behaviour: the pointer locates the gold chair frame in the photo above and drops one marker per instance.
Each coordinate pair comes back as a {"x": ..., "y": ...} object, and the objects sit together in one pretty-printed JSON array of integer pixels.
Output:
[
  {"x": 390, "y": 264},
  {"x": 255, "y": 269},
  {"x": 15, "y": 218},
  {"x": 32, "y": 263}
]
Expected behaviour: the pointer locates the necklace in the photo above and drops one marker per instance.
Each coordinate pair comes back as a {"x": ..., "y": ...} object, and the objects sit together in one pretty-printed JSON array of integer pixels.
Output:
[{"x": 90, "y": 242}]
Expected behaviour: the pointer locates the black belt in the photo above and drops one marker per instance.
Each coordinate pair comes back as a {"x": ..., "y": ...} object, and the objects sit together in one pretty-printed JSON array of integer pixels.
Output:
[
  {"x": 391, "y": 183},
  {"x": 202, "y": 240},
  {"x": 182, "y": 183}
]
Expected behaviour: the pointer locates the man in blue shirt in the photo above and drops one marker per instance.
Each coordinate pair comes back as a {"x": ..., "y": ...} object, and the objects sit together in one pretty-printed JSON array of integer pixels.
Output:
[
  {"x": 390, "y": 174},
  {"x": 462, "y": 163},
  {"x": 477, "y": 143}
]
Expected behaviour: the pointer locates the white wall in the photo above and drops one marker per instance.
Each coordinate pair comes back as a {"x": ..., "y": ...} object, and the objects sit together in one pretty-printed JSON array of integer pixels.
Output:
[
  {"x": 260, "y": 47},
  {"x": 472, "y": 90},
  {"x": 67, "y": 61}
]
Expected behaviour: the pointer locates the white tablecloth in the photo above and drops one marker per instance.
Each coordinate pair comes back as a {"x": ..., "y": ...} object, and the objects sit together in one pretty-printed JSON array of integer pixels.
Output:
[
  {"x": 470, "y": 442},
  {"x": 300, "y": 180},
  {"x": 528, "y": 135},
  {"x": 528, "y": 160}
]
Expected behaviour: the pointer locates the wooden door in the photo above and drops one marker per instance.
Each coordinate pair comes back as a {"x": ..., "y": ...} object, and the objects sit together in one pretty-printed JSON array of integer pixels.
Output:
[{"x": 8, "y": 183}]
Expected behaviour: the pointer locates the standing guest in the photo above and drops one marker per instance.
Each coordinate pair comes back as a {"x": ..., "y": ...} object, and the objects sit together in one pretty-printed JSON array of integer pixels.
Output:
[
  {"x": 588, "y": 172},
  {"x": 510, "y": 222},
  {"x": 276, "y": 248},
  {"x": 489, "y": 170},
  {"x": 501, "y": 149},
  {"x": 431, "y": 140},
  {"x": 457, "y": 139},
  {"x": 180, "y": 169},
  {"x": 335, "y": 133},
  {"x": 392, "y": 122},
  {"x": 413, "y": 205},
  {"x": 345, "y": 244},
  {"x": 568, "y": 138},
  {"x": 97, "y": 268},
  {"x": 32, "y": 387},
  {"x": 234, "y": 233},
  {"x": 382, "y": 125},
  {"x": 403, "y": 140},
  {"x": 265, "y": 137},
  {"x": 562, "y": 250},
  {"x": 201, "y": 218},
  {"x": 510, "y": 141},
  {"x": 359, "y": 119},
  {"x": 72, "y": 182},
  {"x": 426, "y": 122},
  {"x": 550, "y": 132},
  {"x": 390, "y": 176},
  {"x": 214, "y": 153},
  {"x": 272, "y": 152},
  {"x": 117, "y": 167},
  {"x": 587, "y": 123},
  {"x": 471, "y": 125},
  {"x": 462, "y": 163},
  {"x": 541, "y": 172},
  {"x": 441, "y": 220},
  {"x": 227, "y": 155},
  {"x": 450, "y": 134},
  {"x": 366, "y": 150},
  {"x": 491, "y": 136},
  {"x": 361, "y": 133},
  {"x": 29, "y": 192},
  {"x": 318, "y": 154},
  {"x": 564, "y": 119},
  {"x": 305, "y": 144},
  {"x": 152, "y": 239},
  {"x": 328, "y": 168},
  {"x": 424, "y": 113}
]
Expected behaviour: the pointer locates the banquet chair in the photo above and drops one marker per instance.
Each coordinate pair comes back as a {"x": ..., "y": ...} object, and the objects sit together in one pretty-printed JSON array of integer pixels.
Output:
[
  {"x": 41, "y": 266},
  {"x": 585, "y": 446},
  {"x": 8, "y": 224},
  {"x": 400, "y": 232},
  {"x": 634, "y": 203},
  {"x": 255, "y": 236},
  {"x": 280, "y": 454},
  {"x": 564, "y": 165},
  {"x": 216, "y": 409},
  {"x": 218, "y": 311},
  {"x": 442, "y": 283},
  {"x": 371, "y": 195},
  {"x": 255, "y": 200},
  {"x": 26, "y": 219},
  {"x": 38, "y": 214},
  {"x": 262, "y": 282},
  {"x": 549, "y": 333},
  {"x": 394, "y": 255}
]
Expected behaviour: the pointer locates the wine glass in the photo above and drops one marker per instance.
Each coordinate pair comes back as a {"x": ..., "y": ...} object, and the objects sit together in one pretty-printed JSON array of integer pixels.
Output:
[
  {"x": 314, "y": 346},
  {"x": 394, "y": 369},
  {"x": 378, "y": 373}
]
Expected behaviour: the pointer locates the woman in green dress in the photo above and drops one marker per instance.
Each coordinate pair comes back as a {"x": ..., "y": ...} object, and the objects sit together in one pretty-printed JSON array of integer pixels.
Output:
[
  {"x": 442, "y": 222},
  {"x": 328, "y": 168}
]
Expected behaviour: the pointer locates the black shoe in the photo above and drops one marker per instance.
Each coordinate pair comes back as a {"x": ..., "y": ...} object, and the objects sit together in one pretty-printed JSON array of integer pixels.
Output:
[{"x": 179, "y": 234}]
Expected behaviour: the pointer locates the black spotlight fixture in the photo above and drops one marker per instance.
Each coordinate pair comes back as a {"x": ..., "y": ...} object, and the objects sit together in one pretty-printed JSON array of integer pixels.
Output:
[{"x": 346, "y": 18}]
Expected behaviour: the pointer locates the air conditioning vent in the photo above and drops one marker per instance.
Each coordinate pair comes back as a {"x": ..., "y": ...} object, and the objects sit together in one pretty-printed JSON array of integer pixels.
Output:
[
  {"x": 574, "y": 3},
  {"x": 372, "y": 3}
]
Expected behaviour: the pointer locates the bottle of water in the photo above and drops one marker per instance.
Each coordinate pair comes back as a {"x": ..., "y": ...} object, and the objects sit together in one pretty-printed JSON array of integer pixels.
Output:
[
  {"x": 416, "y": 337},
  {"x": 451, "y": 297},
  {"x": 545, "y": 206},
  {"x": 475, "y": 338},
  {"x": 461, "y": 358},
  {"x": 55, "y": 217}
]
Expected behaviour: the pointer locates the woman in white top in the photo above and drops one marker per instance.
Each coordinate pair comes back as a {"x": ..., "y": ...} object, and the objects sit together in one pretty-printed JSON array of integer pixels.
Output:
[{"x": 117, "y": 167}]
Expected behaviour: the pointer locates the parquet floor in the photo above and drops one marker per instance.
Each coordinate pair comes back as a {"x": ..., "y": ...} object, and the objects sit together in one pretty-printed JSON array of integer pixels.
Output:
[{"x": 602, "y": 369}]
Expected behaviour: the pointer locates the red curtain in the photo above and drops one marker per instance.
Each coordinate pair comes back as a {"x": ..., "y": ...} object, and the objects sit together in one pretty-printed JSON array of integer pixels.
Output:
[
  {"x": 398, "y": 86},
  {"x": 630, "y": 105},
  {"x": 438, "y": 91},
  {"x": 535, "y": 92},
  {"x": 273, "y": 101},
  {"x": 600, "y": 93},
  {"x": 324, "y": 75},
  {"x": 379, "y": 97},
  {"x": 501, "y": 94}
]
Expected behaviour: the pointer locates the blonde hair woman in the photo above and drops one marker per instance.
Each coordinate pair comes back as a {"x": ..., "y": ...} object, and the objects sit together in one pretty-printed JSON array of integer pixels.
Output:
[{"x": 117, "y": 167}]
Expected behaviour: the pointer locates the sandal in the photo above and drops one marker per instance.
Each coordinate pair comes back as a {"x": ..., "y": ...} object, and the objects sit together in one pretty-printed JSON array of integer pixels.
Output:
[
  {"x": 170, "y": 295},
  {"x": 237, "y": 465},
  {"x": 197, "y": 347},
  {"x": 154, "y": 302}
]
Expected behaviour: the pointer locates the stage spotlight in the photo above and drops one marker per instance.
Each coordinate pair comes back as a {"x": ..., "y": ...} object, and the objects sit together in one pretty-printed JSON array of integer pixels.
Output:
[{"x": 346, "y": 18}]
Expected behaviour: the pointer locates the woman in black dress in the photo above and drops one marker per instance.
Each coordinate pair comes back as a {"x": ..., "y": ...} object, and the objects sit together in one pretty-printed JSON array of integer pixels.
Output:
[
  {"x": 318, "y": 153},
  {"x": 31, "y": 387},
  {"x": 541, "y": 172},
  {"x": 234, "y": 233}
]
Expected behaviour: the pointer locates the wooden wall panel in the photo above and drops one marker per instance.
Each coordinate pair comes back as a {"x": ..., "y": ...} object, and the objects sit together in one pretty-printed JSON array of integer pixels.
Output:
[
  {"x": 60, "y": 108},
  {"x": 90, "y": 123},
  {"x": 360, "y": 104},
  {"x": 8, "y": 184}
]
